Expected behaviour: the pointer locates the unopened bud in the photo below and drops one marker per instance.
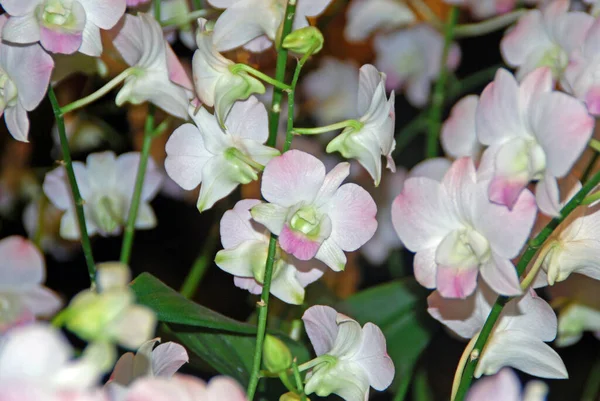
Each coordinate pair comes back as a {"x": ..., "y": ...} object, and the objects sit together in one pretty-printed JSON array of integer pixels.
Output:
[
  {"x": 276, "y": 354},
  {"x": 291, "y": 397},
  {"x": 304, "y": 40}
]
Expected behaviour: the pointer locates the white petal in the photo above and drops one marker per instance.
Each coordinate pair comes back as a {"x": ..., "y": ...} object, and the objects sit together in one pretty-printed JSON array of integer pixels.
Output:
[{"x": 321, "y": 327}]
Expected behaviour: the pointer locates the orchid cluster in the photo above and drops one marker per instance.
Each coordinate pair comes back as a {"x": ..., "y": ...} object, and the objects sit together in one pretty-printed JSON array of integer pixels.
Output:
[{"x": 504, "y": 225}]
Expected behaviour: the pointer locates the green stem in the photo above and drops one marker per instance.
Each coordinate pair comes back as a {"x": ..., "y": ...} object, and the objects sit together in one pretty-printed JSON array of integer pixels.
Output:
[
  {"x": 489, "y": 25},
  {"x": 197, "y": 4},
  {"x": 298, "y": 379},
  {"x": 357, "y": 125},
  {"x": 591, "y": 198},
  {"x": 529, "y": 253},
  {"x": 110, "y": 85},
  {"x": 137, "y": 192},
  {"x": 592, "y": 384},
  {"x": 68, "y": 163},
  {"x": 289, "y": 135},
  {"x": 285, "y": 379},
  {"x": 236, "y": 68},
  {"x": 526, "y": 282},
  {"x": 194, "y": 277},
  {"x": 437, "y": 100},
  {"x": 157, "y": 13},
  {"x": 282, "y": 54},
  {"x": 263, "y": 310}
]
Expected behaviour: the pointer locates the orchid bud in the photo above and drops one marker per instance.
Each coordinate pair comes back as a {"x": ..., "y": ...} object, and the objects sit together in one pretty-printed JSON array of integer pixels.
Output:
[
  {"x": 292, "y": 397},
  {"x": 304, "y": 40},
  {"x": 277, "y": 355}
]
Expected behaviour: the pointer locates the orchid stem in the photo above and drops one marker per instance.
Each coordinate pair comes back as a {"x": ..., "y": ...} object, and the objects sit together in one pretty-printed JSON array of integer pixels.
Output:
[
  {"x": 139, "y": 184},
  {"x": 590, "y": 167},
  {"x": 157, "y": 13},
  {"x": 461, "y": 365},
  {"x": 68, "y": 163},
  {"x": 263, "y": 310},
  {"x": 526, "y": 282},
  {"x": 194, "y": 277},
  {"x": 280, "y": 68},
  {"x": 110, "y": 85},
  {"x": 437, "y": 99},
  {"x": 253, "y": 71},
  {"x": 591, "y": 198},
  {"x": 328, "y": 128},
  {"x": 298, "y": 379},
  {"x": 529, "y": 253},
  {"x": 289, "y": 135},
  {"x": 179, "y": 21},
  {"x": 489, "y": 25},
  {"x": 594, "y": 144}
]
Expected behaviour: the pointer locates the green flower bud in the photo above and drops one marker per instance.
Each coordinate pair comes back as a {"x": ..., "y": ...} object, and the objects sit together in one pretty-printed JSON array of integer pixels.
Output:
[
  {"x": 276, "y": 354},
  {"x": 304, "y": 40},
  {"x": 291, "y": 397}
]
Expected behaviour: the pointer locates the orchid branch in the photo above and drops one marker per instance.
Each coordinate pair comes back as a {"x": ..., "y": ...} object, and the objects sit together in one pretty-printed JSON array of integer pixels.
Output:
[
  {"x": 298, "y": 379},
  {"x": 282, "y": 53},
  {"x": 489, "y": 25},
  {"x": 110, "y": 85},
  {"x": 501, "y": 301},
  {"x": 149, "y": 133},
  {"x": 256, "y": 73},
  {"x": 357, "y": 125},
  {"x": 289, "y": 135},
  {"x": 437, "y": 100},
  {"x": 263, "y": 305},
  {"x": 79, "y": 202}
]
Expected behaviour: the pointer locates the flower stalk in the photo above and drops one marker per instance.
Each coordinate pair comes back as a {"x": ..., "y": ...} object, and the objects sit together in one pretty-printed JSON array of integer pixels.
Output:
[
  {"x": 236, "y": 68},
  {"x": 110, "y": 85},
  {"x": 357, "y": 125},
  {"x": 68, "y": 163},
  {"x": 437, "y": 99},
  {"x": 282, "y": 53}
]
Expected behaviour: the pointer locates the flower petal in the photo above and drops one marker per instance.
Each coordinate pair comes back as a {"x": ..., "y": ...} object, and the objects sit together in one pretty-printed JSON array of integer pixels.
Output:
[
  {"x": 364, "y": 17},
  {"x": 270, "y": 215},
  {"x": 291, "y": 178},
  {"x": 425, "y": 267},
  {"x": 501, "y": 276},
  {"x": 167, "y": 358},
  {"x": 236, "y": 224},
  {"x": 321, "y": 327},
  {"x": 248, "y": 119},
  {"x": 459, "y": 137},
  {"x": 332, "y": 255},
  {"x": 224, "y": 388},
  {"x": 521, "y": 351},
  {"x": 104, "y": 14},
  {"x": 504, "y": 386},
  {"x": 298, "y": 244},
  {"x": 374, "y": 359},
  {"x": 186, "y": 156},
  {"x": 17, "y": 122},
  {"x": 21, "y": 264},
  {"x": 456, "y": 282}
]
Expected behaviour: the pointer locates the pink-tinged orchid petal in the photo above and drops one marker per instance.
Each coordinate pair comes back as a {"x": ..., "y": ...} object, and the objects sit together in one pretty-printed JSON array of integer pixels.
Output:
[
  {"x": 250, "y": 120},
  {"x": 186, "y": 156},
  {"x": 177, "y": 73},
  {"x": 320, "y": 324},
  {"x": 65, "y": 42},
  {"x": 366, "y": 16},
  {"x": 532, "y": 315},
  {"x": 236, "y": 224},
  {"x": 521, "y": 351},
  {"x": 420, "y": 214},
  {"x": 501, "y": 276},
  {"x": 456, "y": 282},
  {"x": 91, "y": 41},
  {"x": 506, "y": 191},
  {"x": 178, "y": 388},
  {"x": 547, "y": 196},
  {"x": 506, "y": 230},
  {"x": 332, "y": 255},
  {"x": 298, "y": 244},
  {"x": 21, "y": 264},
  {"x": 17, "y": 122},
  {"x": 498, "y": 116},
  {"x": 566, "y": 128},
  {"x": 374, "y": 359},
  {"x": 41, "y": 301},
  {"x": 21, "y": 29},
  {"x": 167, "y": 358},
  {"x": 463, "y": 317},
  {"x": 425, "y": 267},
  {"x": 458, "y": 136},
  {"x": 272, "y": 216},
  {"x": 19, "y": 7},
  {"x": 292, "y": 178},
  {"x": 333, "y": 181},
  {"x": 352, "y": 212},
  {"x": 56, "y": 187},
  {"x": 104, "y": 14},
  {"x": 248, "y": 283},
  {"x": 504, "y": 386}
]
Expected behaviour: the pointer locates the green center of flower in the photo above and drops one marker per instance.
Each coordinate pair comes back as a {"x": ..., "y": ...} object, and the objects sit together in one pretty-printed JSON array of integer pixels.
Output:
[
  {"x": 243, "y": 168},
  {"x": 464, "y": 247},
  {"x": 55, "y": 12},
  {"x": 307, "y": 220},
  {"x": 556, "y": 59}
]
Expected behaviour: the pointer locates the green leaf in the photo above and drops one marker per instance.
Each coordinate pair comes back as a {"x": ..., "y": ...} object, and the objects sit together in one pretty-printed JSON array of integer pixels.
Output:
[
  {"x": 399, "y": 308},
  {"x": 223, "y": 343},
  {"x": 172, "y": 307}
]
